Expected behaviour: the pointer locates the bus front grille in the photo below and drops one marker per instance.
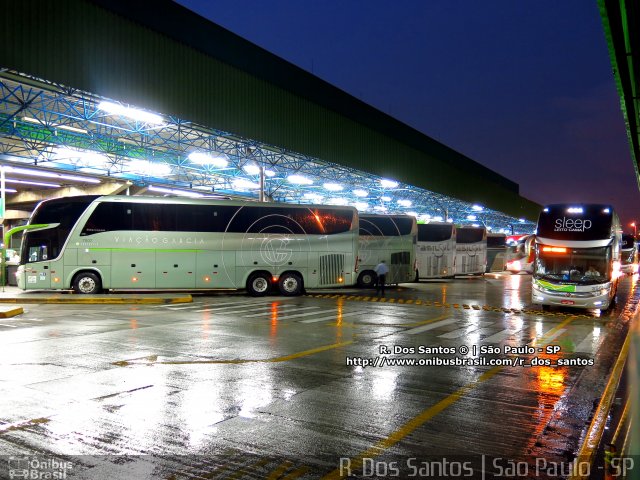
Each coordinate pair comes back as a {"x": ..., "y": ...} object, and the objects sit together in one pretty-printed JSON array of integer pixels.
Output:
[
  {"x": 331, "y": 268},
  {"x": 437, "y": 266},
  {"x": 470, "y": 264}
]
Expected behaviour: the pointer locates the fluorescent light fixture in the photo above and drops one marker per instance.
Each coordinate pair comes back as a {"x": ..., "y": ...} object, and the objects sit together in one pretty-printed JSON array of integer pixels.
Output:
[
  {"x": 575, "y": 210},
  {"x": 380, "y": 208},
  {"x": 471, "y": 217},
  {"x": 361, "y": 205},
  {"x": 521, "y": 220},
  {"x": 337, "y": 201},
  {"x": 333, "y": 187},
  {"x": 299, "y": 180},
  {"x": 385, "y": 199},
  {"x": 174, "y": 191},
  {"x": 477, "y": 208},
  {"x": 475, "y": 225},
  {"x": 270, "y": 173},
  {"x": 413, "y": 214},
  {"x": 10, "y": 190},
  {"x": 243, "y": 184},
  {"x": 55, "y": 125},
  {"x": 437, "y": 219},
  {"x": 252, "y": 169},
  {"x": 358, "y": 192},
  {"x": 145, "y": 167},
  {"x": 201, "y": 158},
  {"x": 26, "y": 182},
  {"x": 449, "y": 220},
  {"x": 405, "y": 203},
  {"x": 313, "y": 197},
  {"x": 129, "y": 112},
  {"x": 57, "y": 176},
  {"x": 88, "y": 158},
  {"x": 388, "y": 183}
]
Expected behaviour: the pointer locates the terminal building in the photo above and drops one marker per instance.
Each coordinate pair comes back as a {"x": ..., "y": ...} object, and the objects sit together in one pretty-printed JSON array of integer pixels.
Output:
[{"x": 99, "y": 97}]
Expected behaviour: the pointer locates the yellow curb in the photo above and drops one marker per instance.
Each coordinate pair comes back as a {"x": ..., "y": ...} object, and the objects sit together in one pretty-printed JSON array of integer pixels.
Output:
[
  {"x": 103, "y": 300},
  {"x": 7, "y": 312}
]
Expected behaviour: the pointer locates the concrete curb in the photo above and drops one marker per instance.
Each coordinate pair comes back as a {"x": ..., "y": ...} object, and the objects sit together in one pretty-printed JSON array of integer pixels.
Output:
[
  {"x": 97, "y": 300},
  {"x": 8, "y": 312}
]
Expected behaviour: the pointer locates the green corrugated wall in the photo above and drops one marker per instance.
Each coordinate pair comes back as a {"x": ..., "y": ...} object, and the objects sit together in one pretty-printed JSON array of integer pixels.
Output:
[{"x": 82, "y": 45}]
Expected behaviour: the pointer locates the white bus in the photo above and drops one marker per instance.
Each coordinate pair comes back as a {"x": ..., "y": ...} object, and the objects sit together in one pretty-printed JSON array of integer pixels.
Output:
[
  {"x": 471, "y": 250},
  {"x": 390, "y": 238},
  {"x": 91, "y": 243},
  {"x": 435, "y": 250},
  {"x": 496, "y": 252},
  {"x": 577, "y": 261}
]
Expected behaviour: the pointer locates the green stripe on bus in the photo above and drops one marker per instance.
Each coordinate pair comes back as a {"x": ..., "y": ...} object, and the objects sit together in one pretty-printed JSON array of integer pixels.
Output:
[{"x": 557, "y": 288}]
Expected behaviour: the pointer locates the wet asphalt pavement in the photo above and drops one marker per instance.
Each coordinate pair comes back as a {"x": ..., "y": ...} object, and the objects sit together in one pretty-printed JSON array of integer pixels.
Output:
[{"x": 231, "y": 386}]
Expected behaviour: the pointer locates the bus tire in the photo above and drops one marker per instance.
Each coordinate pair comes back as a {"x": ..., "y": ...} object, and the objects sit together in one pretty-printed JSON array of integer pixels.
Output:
[
  {"x": 290, "y": 284},
  {"x": 87, "y": 283},
  {"x": 259, "y": 284},
  {"x": 367, "y": 279}
]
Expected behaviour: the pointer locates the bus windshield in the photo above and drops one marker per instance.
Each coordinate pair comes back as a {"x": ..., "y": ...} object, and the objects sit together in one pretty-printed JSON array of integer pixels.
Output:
[
  {"x": 41, "y": 245},
  {"x": 470, "y": 235},
  {"x": 586, "y": 266},
  {"x": 431, "y": 232}
]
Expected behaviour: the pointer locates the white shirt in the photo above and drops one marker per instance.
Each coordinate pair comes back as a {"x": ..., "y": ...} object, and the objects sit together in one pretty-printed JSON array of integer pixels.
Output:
[{"x": 382, "y": 269}]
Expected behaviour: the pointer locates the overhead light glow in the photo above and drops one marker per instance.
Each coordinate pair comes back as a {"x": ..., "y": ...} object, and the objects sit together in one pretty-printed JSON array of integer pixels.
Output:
[
  {"x": 380, "y": 208},
  {"x": 10, "y": 190},
  {"x": 358, "y": 192},
  {"x": 437, "y": 218},
  {"x": 174, "y": 191},
  {"x": 243, "y": 184},
  {"x": 201, "y": 158},
  {"x": 129, "y": 112},
  {"x": 521, "y": 220},
  {"x": 313, "y": 196},
  {"x": 449, "y": 220},
  {"x": 404, "y": 203},
  {"x": 252, "y": 169},
  {"x": 38, "y": 184},
  {"x": 333, "y": 187},
  {"x": 55, "y": 125},
  {"x": 337, "y": 201},
  {"x": 152, "y": 169},
  {"x": 45, "y": 174},
  {"x": 471, "y": 217},
  {"x": 388, "y": 183},
  {"x": 270, "y": 173},
  {"x": 385, "y": 199},
  {"x": 477, "y": 208},
  {"x": 606, "y": 210},
  {"x": 299, "y": 180},
  {"x": 88, "y": 158},
  {"x": 361, "y": 205},
  {"x": 574, "y": 210},
  {"x": 413, "y": 214}
]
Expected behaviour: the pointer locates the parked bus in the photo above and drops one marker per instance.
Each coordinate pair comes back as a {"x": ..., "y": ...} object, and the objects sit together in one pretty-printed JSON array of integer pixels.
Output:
[
  {"x": 577, "y": 256},
  {"x": 435, "y": 250},
  {"x": 520, "y": 256},
  {"x": 496, "y": 252},
  {"x": 471, "y": 250},
  {"x": 390, "y": 238},
  {"x": 91, "y": 243},
  {"x": 629, "y": 255}
]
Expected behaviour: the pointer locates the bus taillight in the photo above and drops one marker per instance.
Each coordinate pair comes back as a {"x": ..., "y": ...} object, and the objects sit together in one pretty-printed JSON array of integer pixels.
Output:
[{"x": 554, "y": 249}]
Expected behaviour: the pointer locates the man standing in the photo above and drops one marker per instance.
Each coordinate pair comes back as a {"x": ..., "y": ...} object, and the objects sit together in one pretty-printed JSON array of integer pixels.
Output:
[{"x": 381, "y": 270}]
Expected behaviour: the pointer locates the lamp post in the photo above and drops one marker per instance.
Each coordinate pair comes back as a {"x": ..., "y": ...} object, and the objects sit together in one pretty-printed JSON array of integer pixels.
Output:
[{"x": 633, "y": 224}]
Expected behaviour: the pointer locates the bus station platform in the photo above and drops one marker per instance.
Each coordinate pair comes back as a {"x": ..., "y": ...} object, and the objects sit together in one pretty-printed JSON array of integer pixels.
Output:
[{"x": 10, "y": 294}]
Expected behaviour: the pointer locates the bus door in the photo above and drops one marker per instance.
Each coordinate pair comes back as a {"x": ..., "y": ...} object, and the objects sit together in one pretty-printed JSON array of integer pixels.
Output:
[{"x": 38, "y": 272}]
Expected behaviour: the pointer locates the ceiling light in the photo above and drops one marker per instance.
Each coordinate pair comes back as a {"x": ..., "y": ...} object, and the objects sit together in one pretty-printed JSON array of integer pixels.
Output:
[
  {"x": 404, "y": 203},
  {"x": 388, "y": 183},
  {"x": 201, "y": 158},
  {"x": 358, "y": 192},
  {"x": 43, "y": 173},
  {"x": 173, "y": 191},
  {"x": 313, "y": 196},
  {"x": 437, "y": 218},
  {"x": 299, "y": 180},
  {"x": 471, "y": 217},
  {"x": 243, "y": 184},
  {"x": 477, "y": 208},
  {"x": 337, "y": 201},
  {"x": 361, "y": 205},
  {"x": 252, "y": 169},
  {"x": 270, "y": 173},
  {"x": 380, "y": 208},
  {"x": 333, "y": 187},
  {"x": 153, "y": 169},
  {"x": 133, "y": 113},
  {"x": 39, "y": 184},
  {"x": 385, "y": 199}
]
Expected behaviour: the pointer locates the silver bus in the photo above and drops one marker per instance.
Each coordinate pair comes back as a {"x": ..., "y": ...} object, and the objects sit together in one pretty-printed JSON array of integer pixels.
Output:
[
  {"x": 629, "y": 255},
  {"x": 577, "y": 261},
  {"x": 496, "y": 252},
  {"x": 390, "y": 238},
  {"x": 471, "y": 250},
  {"x": 435, "y": 250},
  {"x": 91, "y": 243}
]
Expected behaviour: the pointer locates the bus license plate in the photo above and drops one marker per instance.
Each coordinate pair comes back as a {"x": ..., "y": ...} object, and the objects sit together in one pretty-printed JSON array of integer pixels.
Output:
[{"x": 568, "y": 302}]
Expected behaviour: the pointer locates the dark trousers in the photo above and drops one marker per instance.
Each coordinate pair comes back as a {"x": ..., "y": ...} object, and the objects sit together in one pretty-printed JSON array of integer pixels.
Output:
[{"x": 380, "y": 283}]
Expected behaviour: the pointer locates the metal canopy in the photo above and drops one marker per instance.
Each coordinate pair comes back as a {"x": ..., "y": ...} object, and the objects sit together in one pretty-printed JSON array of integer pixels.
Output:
[{"x": 61, "y": 129}]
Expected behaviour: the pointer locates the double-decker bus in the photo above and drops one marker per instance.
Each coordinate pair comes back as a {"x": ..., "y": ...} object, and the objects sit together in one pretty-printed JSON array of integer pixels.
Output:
[
  {"x": 577, "y": 261},
  {"x": 520, "y": 256},
  {"x": 629, "y": 254},
  {"x": 496, "y": 252},
  {"x": 435, "y": 250},
  {"x": 390, "y": 238},
  {"x": 91, "y": 243},
  {"x": 471, "y": 250}
]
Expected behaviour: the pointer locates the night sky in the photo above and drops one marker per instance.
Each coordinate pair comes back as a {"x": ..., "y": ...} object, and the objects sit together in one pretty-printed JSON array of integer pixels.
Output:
[{"x": 522, "y": 87}]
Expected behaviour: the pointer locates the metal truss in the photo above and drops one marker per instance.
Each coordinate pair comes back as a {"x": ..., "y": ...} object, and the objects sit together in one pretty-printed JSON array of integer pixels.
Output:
[{"x": 53, "y": 126}]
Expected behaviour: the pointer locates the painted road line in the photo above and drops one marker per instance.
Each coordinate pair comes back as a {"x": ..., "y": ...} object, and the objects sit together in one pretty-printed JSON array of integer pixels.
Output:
[
  {"x": 475, "y": 329},
  {"x": 501, "y": 335},
  {"x": 7, "y": 325},
  {"x": 588, "y": 345},
  {"x": 234, "y": 309},
  {"x": 546, "y": 340},
  {"x": 268, "y": 310},
  {"x": 407, "y": 428},
  {"x": 298, "y": 315},
  {"x": 333, "y": 317},
  {"x": 285, "y": 358},
  {"x": 431, "y": 326}
]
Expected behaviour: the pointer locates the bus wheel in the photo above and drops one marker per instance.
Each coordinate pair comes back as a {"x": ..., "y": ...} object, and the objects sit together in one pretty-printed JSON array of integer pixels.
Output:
[
  {"x": 87, "y": 283},
  {"x": 290, "y": 284},
  {"x": 258, "y": 284},
  {"x": 367, "y": 279}
]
